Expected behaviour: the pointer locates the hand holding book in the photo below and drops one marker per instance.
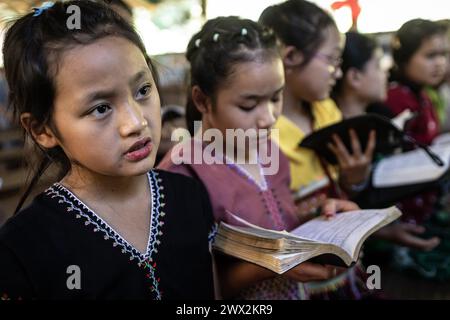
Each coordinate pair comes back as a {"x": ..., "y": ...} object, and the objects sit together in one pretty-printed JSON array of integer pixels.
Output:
[
  {"x": 387, "y": 136},
  {"x": 308, "y": 271},
  {"x": 332, "y": 206},
  {"x": 354, "y": 164}
]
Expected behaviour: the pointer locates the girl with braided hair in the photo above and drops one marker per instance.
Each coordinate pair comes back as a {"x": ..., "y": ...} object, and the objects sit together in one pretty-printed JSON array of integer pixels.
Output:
[{"x": 237, "y": 80}]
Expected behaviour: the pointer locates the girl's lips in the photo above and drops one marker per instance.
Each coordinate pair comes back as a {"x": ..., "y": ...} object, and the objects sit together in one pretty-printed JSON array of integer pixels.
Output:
[{"x": 141, "y": 152}]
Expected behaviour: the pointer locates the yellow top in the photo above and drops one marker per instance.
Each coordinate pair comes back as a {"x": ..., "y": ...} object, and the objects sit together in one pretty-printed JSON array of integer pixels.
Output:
[{"x": 305, "y": 167}]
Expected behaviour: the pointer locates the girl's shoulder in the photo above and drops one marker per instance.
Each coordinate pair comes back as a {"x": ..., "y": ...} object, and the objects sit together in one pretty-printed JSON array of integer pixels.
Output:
[
  {"x": 40, "y": 217},
  {"x": 401, "y": 97},
  {"x": 181, "y": 191},
  {"x": 176, "y": 181},
  {"x": 326, "y": 113},
  {"x": 399, "y": 92},
  {"x": 48, "y": 210},
  {"x": 397, "y": 88},
  {"x": 39, "y": 210}
]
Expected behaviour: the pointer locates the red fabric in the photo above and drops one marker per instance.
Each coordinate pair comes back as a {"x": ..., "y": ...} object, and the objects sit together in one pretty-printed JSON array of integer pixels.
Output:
[
  {"x": 352, "y": 4},
  {"x": 425, "y": 127}
]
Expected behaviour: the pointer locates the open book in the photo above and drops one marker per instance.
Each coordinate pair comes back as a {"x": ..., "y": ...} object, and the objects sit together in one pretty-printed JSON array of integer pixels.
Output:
[
  {"x": 335, "y": 241},
  {"x": 412, "y": 167}
]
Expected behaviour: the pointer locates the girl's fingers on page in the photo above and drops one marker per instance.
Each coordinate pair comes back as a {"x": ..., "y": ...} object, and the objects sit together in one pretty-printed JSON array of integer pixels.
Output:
[
  {"x": 332, "y": 206},
  {"x": 329, "y": 208},
  {"x": 345, "y": 205}
]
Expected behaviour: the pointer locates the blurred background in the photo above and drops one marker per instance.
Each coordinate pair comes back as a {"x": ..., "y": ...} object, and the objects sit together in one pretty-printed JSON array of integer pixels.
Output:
[{"x": 166, "y": 27}]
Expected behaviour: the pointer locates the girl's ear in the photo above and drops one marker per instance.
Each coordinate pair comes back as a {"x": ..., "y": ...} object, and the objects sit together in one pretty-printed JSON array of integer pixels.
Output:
[
  {"x": 292, "y": 57},
  {"x": 41, "y": 134},
  {"x": 353, "y": 78},
  {"x": 201, "y": 100}
]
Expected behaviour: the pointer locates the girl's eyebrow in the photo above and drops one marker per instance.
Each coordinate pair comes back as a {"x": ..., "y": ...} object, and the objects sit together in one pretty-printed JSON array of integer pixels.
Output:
[
  {"x": 105, "y": 94},
  {"x": 99, "y": 95},
  {"x": 138, "y": 77},
  {"x": 256, "y": 97}
]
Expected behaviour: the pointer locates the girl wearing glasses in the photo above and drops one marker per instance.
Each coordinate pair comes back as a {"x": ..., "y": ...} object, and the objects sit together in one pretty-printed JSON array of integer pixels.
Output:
[{"x": 311, "y": 47}]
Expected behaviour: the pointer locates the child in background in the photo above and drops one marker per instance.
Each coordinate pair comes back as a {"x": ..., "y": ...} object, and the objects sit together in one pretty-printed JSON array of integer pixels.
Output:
[
  {"x": 237, "y": 81},
  {"x": 361, "y": 90},
  {"x": 440, "y": 94},
  {"x": 112, "y": 227},
  {"x": 172, "y": 118},
  {"x": 419, "y": 52},
  {"x": 419, "y": 49},
  {"x": 363, "y": 85},
  {"x": 311, "y": 48}
]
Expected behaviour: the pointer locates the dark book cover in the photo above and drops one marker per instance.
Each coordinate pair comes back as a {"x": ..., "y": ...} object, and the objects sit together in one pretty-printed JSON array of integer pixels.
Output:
[{"x": 388, "y": 136}]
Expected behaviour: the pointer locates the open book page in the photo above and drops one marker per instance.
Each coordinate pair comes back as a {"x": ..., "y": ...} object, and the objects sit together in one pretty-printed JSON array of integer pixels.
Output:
[
  {"x": 247, "y": 233},
  {"x": 251, "y": 229},
  {"x": 411, "y": 167},
  {"x": 443, "y": 138},
  {"x": 347, "y": 230}
]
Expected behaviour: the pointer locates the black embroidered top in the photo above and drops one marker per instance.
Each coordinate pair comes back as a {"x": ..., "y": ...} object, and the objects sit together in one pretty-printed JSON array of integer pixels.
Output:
[{"x": 58, "y": 248}]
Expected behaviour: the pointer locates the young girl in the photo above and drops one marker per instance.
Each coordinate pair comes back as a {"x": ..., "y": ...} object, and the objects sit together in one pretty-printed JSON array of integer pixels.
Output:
[
  {"x": 237, "y": 81},
  {"x": 419, "y": 50},
  {"x": 311, "y": 50},
  {"x": 363, "y": 85},
  {"x": 112, "y": 227},
  {"x": 362, "y": 89}
]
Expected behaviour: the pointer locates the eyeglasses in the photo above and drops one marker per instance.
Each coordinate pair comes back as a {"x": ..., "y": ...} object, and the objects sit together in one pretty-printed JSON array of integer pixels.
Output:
[{"x": 332, "y": 61}]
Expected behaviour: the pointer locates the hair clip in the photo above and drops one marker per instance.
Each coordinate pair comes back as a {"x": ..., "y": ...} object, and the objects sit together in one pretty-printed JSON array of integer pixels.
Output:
[
  {"x": 45, "y": 6},
  {"x": 216, "y": 37},
  {"x": 244, "y": 32},
  {"x": 197, "y": 43}
]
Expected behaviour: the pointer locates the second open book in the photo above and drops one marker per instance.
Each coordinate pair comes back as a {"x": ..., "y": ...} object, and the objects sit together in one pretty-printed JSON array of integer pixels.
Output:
[
  {"x": 334, "y": 241},
  {"x": 413, "y": 167}
]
